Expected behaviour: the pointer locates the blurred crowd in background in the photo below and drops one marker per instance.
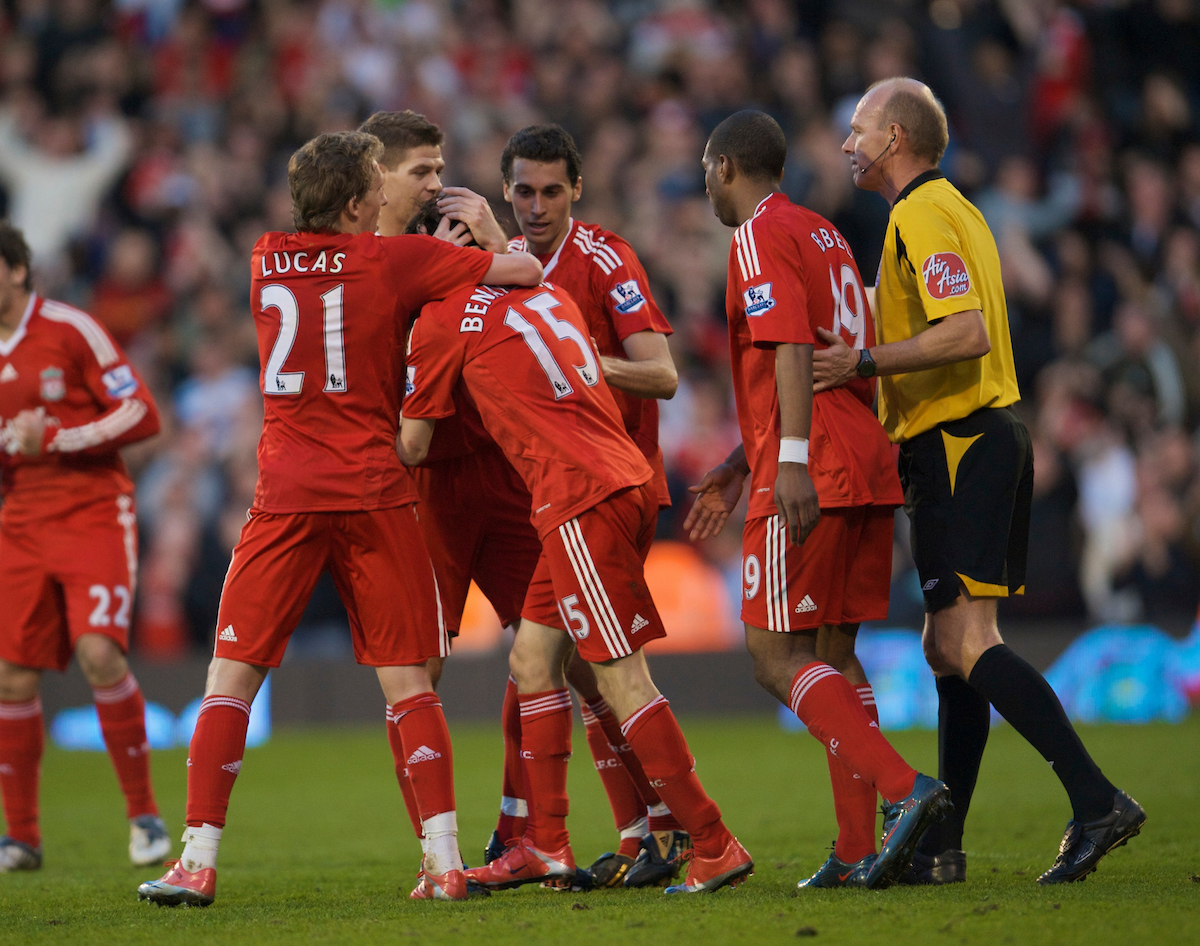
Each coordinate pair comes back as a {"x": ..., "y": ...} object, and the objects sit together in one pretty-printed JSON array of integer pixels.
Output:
[{"x": 144, "y": 144}]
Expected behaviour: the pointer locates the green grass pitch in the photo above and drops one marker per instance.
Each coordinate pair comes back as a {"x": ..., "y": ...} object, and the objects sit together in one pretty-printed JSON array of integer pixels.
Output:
[{"x": 318, "y": 850}]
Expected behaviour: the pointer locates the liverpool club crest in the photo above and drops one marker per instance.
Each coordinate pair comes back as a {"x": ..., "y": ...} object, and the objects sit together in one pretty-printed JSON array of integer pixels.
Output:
[{"x": 54, "y": 388}]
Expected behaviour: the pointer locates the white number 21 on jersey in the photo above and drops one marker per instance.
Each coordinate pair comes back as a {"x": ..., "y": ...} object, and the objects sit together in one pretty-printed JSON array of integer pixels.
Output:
[{"x": 278, "y": 381}]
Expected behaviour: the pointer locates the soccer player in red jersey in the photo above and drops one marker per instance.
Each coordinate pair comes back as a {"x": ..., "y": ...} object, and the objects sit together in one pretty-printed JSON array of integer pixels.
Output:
[
  {"x": 474, "y": 508},
  {"x": 823, "y": 488},
  {"x": 332, "y": 304},
  {"x": 68, "y": 546},
  {"x": 602, "y": 274},
  {"x": 526, "y": 361}
]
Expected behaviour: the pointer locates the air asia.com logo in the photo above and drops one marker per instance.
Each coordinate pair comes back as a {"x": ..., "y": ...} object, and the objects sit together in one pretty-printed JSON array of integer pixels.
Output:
[{"x": 946, "y": 275}]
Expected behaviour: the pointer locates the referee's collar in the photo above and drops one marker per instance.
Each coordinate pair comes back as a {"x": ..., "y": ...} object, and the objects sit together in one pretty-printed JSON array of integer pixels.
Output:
[{"x": 933, "y": 174}]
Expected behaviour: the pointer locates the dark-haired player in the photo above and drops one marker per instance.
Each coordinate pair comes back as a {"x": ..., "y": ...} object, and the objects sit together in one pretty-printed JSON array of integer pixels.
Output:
[
  {"x": 474, "y": 509},
  {"x": 527, "y": 363},
  {"x": 69, "y": 400},
  {"x": 818, "y": 538},
  {"x": 332, "y": 304},
  {"x": 542, "y": 173}
]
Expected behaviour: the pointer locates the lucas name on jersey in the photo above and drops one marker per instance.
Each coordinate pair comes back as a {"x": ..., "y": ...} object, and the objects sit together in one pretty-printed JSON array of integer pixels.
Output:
[{"x": 298, "y": 262}]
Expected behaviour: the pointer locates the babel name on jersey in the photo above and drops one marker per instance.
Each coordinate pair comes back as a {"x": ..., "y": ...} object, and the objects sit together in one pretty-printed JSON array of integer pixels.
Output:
[{"x": 293, "y": 262}]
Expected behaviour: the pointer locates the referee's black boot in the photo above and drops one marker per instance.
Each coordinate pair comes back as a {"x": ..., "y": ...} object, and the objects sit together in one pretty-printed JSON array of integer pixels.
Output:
[
  {"x": 949, "y": 867},
  {"x": 1086, "y": 842}
]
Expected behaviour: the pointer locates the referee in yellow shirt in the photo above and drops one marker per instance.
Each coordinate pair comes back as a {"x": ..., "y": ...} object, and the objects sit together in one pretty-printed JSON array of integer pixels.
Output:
[{"x": 946, "y": 383}]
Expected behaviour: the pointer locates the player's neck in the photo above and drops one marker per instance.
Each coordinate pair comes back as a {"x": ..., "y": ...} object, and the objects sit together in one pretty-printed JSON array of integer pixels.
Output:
[
  {"x": 746, "y": 201},
  {"x": 11, "y": 315}
]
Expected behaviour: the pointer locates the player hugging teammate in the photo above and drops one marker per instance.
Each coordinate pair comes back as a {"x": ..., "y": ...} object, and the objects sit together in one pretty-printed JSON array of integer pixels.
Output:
[{"x": 529, "y": 435}]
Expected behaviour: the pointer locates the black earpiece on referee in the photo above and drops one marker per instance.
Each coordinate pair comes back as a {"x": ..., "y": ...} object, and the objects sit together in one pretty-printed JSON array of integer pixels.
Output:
[{"x": 878, "y": 156}]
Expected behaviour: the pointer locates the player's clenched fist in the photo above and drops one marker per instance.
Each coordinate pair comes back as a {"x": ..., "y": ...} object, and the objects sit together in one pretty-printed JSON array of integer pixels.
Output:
[{"x": 27, "y": 432}]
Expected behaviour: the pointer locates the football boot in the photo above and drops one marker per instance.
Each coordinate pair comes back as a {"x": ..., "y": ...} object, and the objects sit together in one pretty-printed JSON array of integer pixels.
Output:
[
  {"x": 179, "y": 887},
  {"x": 610, "y": 869},
  {"x": 17, "y": 855},
  {"x": 706, "y": 874},
  {"x": 949, "y": 867},
  {"x": 148, "y": 840},
  {"x": 494, "y": 849},
  {"x": 522, "y": 863},
  {"x": 903, "y": 824},
  {"x": 837, "y": 873},
  {"x": 451, "y": 885},
  {"x": 657, "y": 863},
  {"x": 1085, "y": 842}
]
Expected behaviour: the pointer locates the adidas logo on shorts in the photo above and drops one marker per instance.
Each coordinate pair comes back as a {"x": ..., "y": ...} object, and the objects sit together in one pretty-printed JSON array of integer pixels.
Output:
[
  {"x": 424, "y": 754},
  {"x": 806, "y": 604},
  {"x": 638, "y": 623},
  {"x": 228, "y": 635}
]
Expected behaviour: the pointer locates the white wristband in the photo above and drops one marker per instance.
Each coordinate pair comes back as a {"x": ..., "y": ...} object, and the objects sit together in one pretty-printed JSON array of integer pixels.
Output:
[{"x": 793, "y": 450}]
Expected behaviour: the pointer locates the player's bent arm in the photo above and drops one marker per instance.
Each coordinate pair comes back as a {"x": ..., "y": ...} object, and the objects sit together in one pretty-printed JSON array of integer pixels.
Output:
[
  {"x": 648, "y": 370},
  {"x": 961, "y": 336},
  {"x": 412, "y": 442},
  {"x": 128, "y": 421},
  {"x": 795, "y": 495},
  {"x": 513, "y": 269}
]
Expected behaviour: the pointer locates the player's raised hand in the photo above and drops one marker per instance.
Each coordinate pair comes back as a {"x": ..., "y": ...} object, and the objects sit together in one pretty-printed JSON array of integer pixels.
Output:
[
  {"x": 716, "y": 496},
  {"x": 834, "y": 365},
  {"x": 464, "y": 205},
  {"x": 453, "y": 232},
  {"x": 27, "y": 432},
  {"x": 796, "y": 501}
]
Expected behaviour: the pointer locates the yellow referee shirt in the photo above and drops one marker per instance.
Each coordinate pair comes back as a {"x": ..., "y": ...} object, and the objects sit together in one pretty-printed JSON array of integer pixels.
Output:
[{"x": 939, "y": 257}]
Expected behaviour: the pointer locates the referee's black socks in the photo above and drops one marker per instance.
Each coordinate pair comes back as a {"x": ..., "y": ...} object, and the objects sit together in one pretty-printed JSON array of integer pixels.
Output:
[
  {"x": 963, "y": 720},
  {"x": 1023, "y": 697}
]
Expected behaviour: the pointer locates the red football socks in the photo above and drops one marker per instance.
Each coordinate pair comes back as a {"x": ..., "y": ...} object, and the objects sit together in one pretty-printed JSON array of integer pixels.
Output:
[
  {"x": 513, "y": 807},
  {"x": 426, "y": 752},
  {"x": 545, "y": 749},
  {"x": 215, "y": 758},
  {"x": 854, "y": 799},
  {"x": 398, "y": 757},
  {"x": 663, "y": 752},
  {"x": 122, "y": 712},
  {"x": 21, "y": 744},
  {"x": 629, "y": 811},
  {"x": 828, "y": 705}
]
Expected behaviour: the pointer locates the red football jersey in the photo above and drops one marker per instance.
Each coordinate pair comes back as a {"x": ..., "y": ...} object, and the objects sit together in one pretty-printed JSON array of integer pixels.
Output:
[
  {"x": 64, "y": 361},
  {"x": 790, "y": 272},
  {"x": 605, "y": 278},
  {"x": 526, "y": 361},
  {"x": 332, "y": 312}
]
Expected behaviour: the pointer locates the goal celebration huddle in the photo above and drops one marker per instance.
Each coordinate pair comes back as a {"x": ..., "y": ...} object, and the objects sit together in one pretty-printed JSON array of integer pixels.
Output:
[{"x": 444, "y": 405}]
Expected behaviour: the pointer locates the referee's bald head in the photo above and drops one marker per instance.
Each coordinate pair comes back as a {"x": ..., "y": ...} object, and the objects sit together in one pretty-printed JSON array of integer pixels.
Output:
[{"x": 912, "y": 105}]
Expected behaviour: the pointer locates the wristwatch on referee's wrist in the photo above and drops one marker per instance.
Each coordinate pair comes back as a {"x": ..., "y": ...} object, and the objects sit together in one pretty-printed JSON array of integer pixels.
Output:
[{"x": 866, "y": 364}]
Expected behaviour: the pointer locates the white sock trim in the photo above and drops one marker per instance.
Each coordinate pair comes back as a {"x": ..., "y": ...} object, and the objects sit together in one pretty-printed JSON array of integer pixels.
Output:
[
  {"x": 658, "y": 811},
  {"x": 514, "y": 807},
  {"x": 441, "y": 843},
  {"x": 200, "y": 847},
  {"x": 638, "y": 829}
]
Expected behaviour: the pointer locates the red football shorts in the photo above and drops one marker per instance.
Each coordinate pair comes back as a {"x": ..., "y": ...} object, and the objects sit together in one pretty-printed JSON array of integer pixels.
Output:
[
  {"x": 65, "y": 578},
  {"x": 379, "y": 565},
  {"x": 474, "y": 515},
  {"x": 590, "y": 577},
  {"x": 840, "y": 575}
]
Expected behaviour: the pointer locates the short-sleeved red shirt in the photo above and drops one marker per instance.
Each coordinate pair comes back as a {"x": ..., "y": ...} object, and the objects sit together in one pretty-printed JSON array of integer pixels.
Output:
[
  {"x": 526, "y": 361},
  {"x": 332, "y": 312},
  {"x": 606, "y": 279},
  {"x": 790, "y": 272},
  {"x": 63, "y": 361}
]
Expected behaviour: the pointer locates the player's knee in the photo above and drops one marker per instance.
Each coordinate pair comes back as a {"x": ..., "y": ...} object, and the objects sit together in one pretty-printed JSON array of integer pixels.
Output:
[
  {"x": 100, "y": 659},
  {"x": 17, "y": 684},
  {"x": 530, "y": 669}
]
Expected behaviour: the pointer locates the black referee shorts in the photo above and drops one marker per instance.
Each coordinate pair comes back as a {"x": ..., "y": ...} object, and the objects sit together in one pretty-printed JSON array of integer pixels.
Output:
[{"x": 968, "y": 485}]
